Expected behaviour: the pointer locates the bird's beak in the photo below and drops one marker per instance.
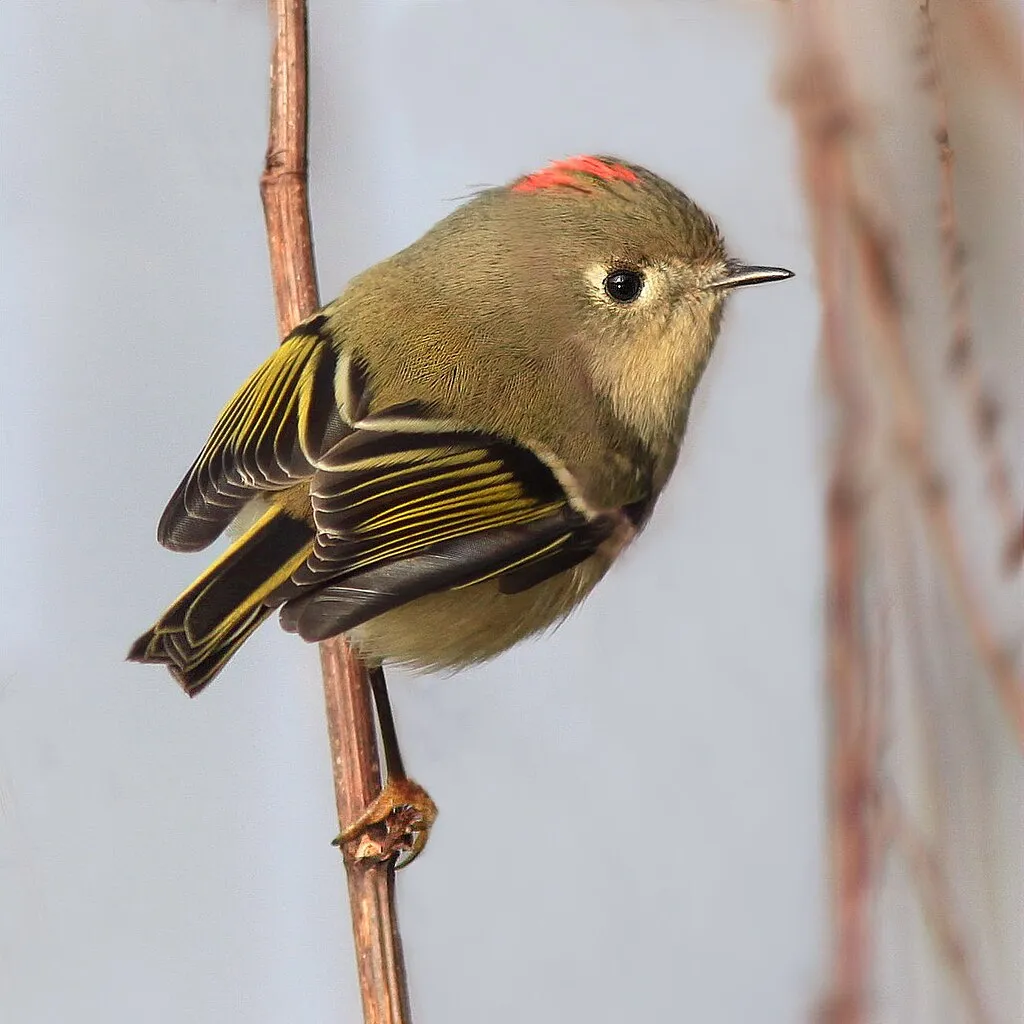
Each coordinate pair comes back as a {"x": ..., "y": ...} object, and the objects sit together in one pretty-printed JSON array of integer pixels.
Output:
[{"x": 735, "y": 275}]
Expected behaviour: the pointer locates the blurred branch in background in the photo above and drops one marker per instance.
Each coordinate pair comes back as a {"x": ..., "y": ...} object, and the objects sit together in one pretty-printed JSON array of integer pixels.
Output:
[
  {"x": 920, "y": 282},
  {"x": 982, "y": 407},
  {"x": 350, "y": 721}
]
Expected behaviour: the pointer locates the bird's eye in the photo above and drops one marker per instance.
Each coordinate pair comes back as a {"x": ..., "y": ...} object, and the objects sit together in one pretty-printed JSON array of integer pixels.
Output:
[{"x": 624, "y": 285}]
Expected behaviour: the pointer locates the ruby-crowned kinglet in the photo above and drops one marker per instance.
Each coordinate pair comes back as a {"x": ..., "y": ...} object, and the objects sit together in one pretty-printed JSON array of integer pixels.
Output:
[{"x": 448, "y": 457}]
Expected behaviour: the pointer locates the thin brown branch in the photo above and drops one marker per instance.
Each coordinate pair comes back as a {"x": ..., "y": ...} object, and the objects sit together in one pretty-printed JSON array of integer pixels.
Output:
[
  {"x": 905, "y": 837},
  {"x": 879, "y": 410},
  {"x": 283, "y": 183},
  {"x": 879, "y": 269},
  {"x": 982, "y": 408},
  {"x": 879, "y": 272},
  {"x": 936, "y": 898},
  {"x": 350, "y": 722},
  {"x": 824, "y": 119}
]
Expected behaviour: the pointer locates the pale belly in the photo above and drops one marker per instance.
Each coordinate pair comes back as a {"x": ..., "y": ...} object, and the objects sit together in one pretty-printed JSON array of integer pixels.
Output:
[{"x": 457, "y": 628}]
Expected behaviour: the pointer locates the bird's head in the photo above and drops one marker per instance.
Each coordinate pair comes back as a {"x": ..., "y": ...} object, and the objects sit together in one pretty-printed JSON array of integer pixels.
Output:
[
  {"x": 597, "y": 266},
  {"x": 639, "y": 271}
]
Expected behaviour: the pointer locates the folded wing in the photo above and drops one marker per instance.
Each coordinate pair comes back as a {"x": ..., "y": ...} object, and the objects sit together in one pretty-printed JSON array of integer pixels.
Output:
[
  {"x": 401, "y": 514},
  {"x": 266, "y": 439}
]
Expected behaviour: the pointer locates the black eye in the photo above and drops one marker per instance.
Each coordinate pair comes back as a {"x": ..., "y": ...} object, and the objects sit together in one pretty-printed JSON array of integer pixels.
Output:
[{"x": 624, "y": 285}]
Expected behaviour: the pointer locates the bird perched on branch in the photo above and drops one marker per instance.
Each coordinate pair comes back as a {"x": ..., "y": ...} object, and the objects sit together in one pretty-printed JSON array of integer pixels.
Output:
[{"x": 450, "y": 455}]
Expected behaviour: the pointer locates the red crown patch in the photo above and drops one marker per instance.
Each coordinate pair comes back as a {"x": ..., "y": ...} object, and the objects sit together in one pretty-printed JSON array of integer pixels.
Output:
[{"x": 565, "y": 173}]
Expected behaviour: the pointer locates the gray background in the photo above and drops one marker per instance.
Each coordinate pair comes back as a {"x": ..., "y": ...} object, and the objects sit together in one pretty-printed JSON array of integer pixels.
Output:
[{"x": 168, "y": 860}]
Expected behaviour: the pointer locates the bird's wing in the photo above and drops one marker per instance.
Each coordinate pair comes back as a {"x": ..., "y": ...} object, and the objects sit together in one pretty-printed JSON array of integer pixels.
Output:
[
  {"x": 401, "y": 513},
  {"x": 267, "y": 438}
]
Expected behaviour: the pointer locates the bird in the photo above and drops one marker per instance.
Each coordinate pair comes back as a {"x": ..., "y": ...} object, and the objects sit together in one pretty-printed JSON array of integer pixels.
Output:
[{"x": 449, "y": 456}]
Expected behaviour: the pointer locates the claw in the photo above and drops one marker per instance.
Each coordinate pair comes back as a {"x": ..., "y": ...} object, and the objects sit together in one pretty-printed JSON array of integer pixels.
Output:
[{"x": 397, "y": 823}]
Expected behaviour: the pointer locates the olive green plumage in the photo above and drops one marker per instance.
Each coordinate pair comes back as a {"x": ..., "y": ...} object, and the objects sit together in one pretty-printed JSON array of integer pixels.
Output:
[{"x": 449, "y": 456}]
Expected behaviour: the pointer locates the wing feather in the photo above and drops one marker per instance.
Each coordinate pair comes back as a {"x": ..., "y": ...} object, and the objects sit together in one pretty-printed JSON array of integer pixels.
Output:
[
  {"x": 401, "y": 514},
  {"x": 267, "y": 438}
]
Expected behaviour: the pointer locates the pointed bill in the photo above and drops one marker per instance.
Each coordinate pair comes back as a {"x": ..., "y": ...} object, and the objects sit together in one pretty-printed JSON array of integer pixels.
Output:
[{"x": 735, "y": 274}]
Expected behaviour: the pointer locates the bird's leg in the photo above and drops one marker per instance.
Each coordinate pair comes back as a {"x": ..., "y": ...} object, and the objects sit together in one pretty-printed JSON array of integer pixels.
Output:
[
  {"x": 398, "y": 821},
  {"x": 393, "y": 765}
]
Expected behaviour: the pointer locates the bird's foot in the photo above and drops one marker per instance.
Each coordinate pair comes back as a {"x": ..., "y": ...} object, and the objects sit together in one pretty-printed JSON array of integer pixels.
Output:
[{"x": 397, "y": 824}]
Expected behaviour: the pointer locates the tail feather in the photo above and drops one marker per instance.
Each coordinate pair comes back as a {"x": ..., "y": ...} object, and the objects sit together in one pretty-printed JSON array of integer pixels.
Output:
[{"x": 204, "y": 627}]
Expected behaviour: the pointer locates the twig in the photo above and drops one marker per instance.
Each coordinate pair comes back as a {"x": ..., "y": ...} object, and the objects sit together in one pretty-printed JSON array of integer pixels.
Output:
[
  {"x": 879, "y": 268},
  {"x": 824, "y": 119},
  {"x": 936, "y": 898},
  {"x": 982, "y": 408},
  {"x": 350, "y": 722},
  {"x": 901, "y": 828},
  {"x": 879, "y": 410}
]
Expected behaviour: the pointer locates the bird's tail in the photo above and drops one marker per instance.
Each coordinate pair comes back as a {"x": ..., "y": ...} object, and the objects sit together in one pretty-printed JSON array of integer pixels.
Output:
[{"x": 204, "y": 627}]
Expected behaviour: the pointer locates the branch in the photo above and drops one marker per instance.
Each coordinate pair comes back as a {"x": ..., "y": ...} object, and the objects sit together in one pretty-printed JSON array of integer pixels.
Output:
[
  {"x": 936, "y": 899},
  {"x": 866, "y": 353},
  {"x": 825, "y": 117},
  {"x": 983, "y": 410},
  {"x": 350, "y": 722},
  {"x": 874, "y": 246}
]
